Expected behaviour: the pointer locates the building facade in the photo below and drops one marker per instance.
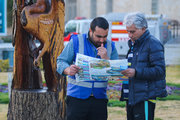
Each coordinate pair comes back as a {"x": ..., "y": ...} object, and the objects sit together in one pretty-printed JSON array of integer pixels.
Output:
[{"x": 93, "y": 8}]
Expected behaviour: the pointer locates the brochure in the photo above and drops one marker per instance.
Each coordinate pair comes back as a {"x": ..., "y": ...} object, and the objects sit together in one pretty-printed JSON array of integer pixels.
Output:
[{"x": 100, "y": 69}]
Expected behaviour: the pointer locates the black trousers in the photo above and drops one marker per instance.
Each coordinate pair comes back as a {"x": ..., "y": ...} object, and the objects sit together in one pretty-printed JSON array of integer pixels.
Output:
[
  {"x": 88, "y": 109},
  {"x": 137, "y": 111}
]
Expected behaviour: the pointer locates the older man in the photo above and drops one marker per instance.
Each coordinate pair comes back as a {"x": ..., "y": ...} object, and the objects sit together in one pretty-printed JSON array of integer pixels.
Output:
[{"x": 146, "y": 71}]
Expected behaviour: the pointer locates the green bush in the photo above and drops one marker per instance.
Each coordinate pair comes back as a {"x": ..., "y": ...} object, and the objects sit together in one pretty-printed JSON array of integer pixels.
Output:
[
  {"x": 5, "y": 84},
  {"x": 7, "y": 39},
  {"x": 4, "y": 98},
  {"x": 4, "y": 65}
]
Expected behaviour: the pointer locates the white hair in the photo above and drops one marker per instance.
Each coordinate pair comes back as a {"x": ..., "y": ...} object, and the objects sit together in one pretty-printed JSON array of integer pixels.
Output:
[{"x": 137, "y": 18}]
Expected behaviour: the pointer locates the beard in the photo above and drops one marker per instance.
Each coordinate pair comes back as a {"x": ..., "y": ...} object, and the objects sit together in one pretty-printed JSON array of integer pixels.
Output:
[{"x": 96, "y": 44}]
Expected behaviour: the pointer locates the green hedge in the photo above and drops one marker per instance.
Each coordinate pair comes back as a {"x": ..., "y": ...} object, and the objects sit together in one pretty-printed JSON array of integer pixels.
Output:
[
  {"x": 116, "y": 103},
  {"x": 4, "y": 65},
  {"x": 4, "y": 98},
  {"x": 7, "y": 39}
]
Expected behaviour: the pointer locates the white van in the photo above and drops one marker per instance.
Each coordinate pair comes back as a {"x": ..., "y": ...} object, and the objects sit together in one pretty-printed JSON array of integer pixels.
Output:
[{"x": 76, "y": 27}]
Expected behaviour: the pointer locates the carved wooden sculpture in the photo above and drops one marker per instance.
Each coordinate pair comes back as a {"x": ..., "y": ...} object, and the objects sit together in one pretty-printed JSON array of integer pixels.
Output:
[
  {"x": 47, "y": 25},
  {"x": 25, "y": 74},
  {"x": 43, "y": 20}
]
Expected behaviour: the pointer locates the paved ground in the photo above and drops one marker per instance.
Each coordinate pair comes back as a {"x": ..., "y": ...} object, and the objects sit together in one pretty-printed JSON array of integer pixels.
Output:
[{"x": 172, "y": 52}]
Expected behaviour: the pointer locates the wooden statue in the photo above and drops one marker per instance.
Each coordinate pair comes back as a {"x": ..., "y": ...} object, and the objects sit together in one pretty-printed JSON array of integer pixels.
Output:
[
  {"x": 47, "y": 25},
  {"x": 25, "y": 74},
  {"x": 44, "y": 21}
]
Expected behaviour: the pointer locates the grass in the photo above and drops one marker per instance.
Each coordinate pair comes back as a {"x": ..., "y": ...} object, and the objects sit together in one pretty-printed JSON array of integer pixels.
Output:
[
  {"x": 3, "y": 77},
  {"x": 173, "y": 74},
  {"x": 3, "y": 111},
  {"x": 173, "y": 84},
  {"x": 172, "y": 97},
  {"x": 168, "y": 110},
  {"x": 116, "y": 103},
  {"x": 158, "y": 119}
]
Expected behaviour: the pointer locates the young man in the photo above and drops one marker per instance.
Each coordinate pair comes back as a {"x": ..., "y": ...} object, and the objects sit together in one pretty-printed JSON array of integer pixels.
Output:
[
  {"x": 147, "y": 69},
  {"x": 87, "y": 100}
]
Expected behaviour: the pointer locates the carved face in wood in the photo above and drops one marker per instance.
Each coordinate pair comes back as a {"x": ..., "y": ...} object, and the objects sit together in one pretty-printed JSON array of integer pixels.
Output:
[
  {"x": 37, "y": 16},
  {"x": 41, "y": 19}
]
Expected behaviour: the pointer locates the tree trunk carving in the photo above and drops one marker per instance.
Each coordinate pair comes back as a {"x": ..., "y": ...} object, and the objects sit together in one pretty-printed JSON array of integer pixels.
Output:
[{"x": 43, "y": 20}]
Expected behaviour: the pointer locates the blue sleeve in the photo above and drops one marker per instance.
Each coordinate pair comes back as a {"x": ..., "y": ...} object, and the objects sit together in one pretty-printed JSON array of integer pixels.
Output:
[
  {"x": 65, "y": 59},
  {"x": 114, "y": 54}
]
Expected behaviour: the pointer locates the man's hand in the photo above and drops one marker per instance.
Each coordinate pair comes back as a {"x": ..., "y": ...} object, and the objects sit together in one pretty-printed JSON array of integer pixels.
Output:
[
  {"x": 102, "y": 52},
  {"x": 71, "y": 70},
  {"x": 130, "y": 72}
]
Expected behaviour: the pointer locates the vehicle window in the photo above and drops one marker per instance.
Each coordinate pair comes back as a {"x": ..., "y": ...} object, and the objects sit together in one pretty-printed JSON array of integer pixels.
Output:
[
  {"x": 85, "y": 27},
  {"x": 70, "y": 27}
]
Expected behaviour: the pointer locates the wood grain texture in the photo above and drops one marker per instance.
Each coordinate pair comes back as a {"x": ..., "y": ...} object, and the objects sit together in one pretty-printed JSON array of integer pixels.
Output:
[{"x": 35, "y": 105}]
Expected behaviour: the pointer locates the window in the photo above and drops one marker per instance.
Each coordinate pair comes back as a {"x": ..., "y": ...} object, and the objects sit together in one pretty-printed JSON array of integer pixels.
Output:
[{"x": 154, "y": 7}]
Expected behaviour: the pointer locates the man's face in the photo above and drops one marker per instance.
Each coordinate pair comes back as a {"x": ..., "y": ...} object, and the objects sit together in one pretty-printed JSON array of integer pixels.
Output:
[
  {"x": 99, "y": 36},
  {"x": 134, "y": 33}
]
